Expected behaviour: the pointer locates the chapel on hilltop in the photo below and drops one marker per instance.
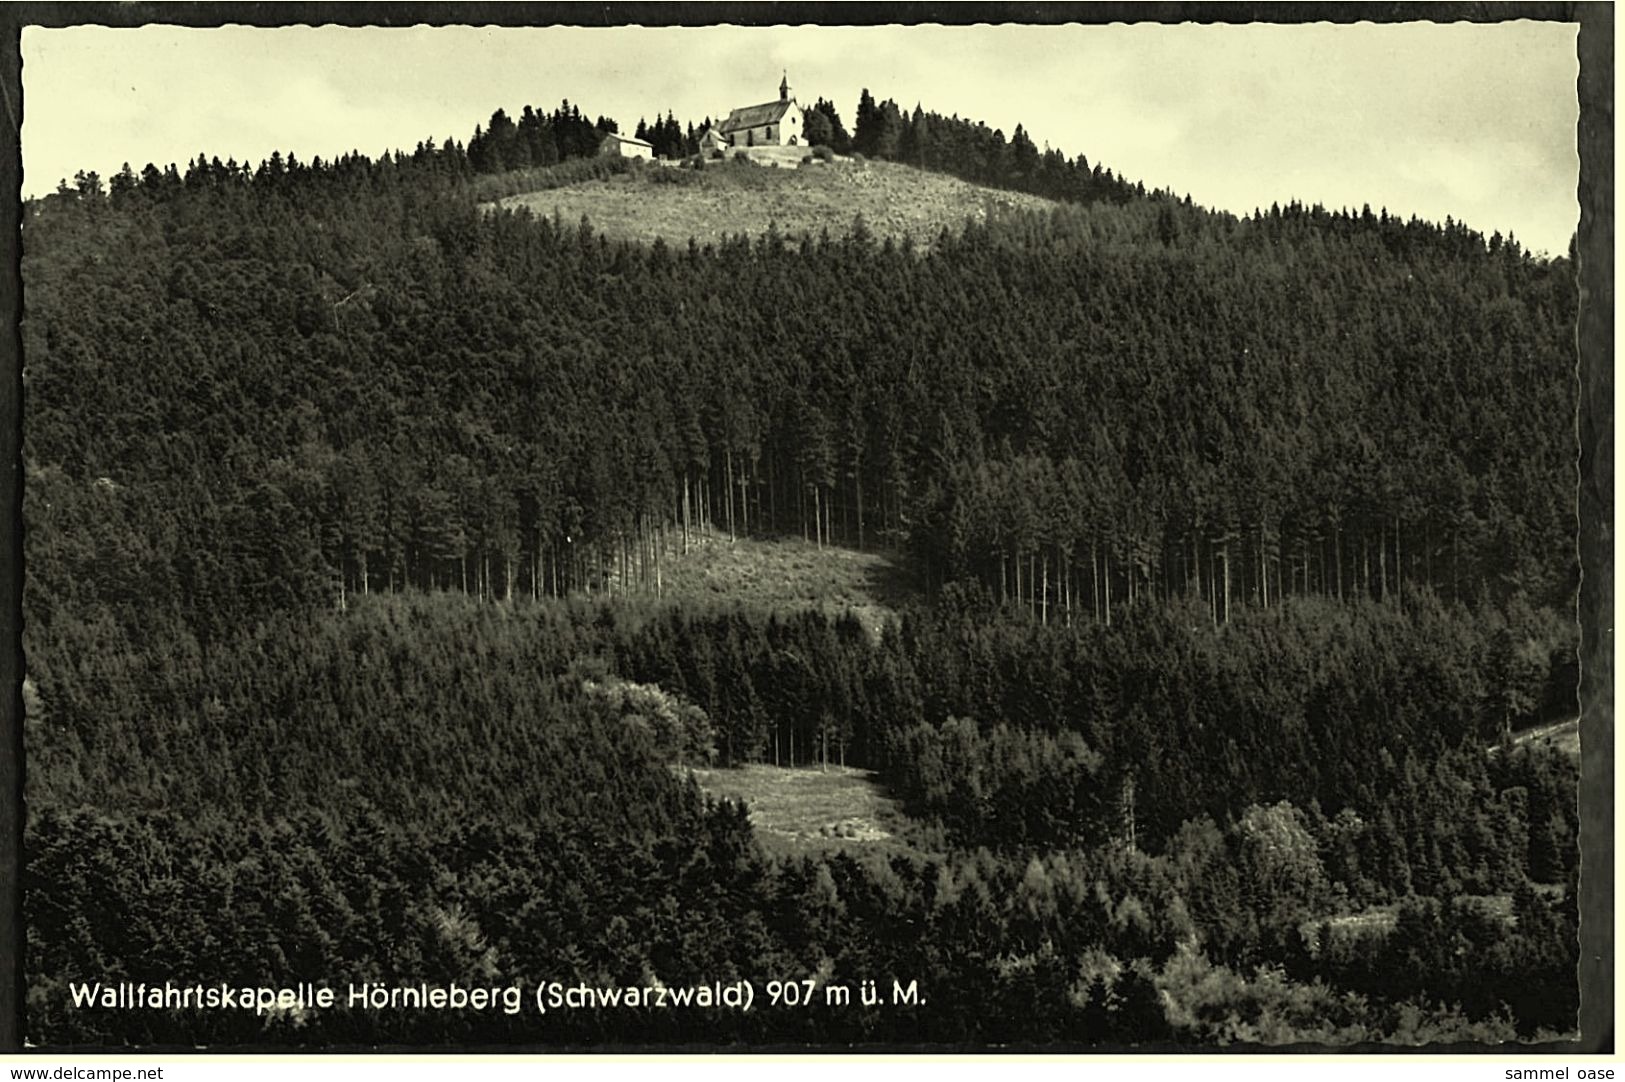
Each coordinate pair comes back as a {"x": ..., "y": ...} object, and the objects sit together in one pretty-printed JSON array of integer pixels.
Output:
[{"x": 771, "y": 124}]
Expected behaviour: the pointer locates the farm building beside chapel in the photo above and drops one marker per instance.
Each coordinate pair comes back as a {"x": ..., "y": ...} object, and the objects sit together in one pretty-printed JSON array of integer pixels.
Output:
[
  {"x": 625, "y": 146},
  {"x": 774, "y": 123}
]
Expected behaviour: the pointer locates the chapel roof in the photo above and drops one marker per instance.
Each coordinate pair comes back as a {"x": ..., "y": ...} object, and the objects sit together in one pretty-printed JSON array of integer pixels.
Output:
[{"x": 754, "y": 116}]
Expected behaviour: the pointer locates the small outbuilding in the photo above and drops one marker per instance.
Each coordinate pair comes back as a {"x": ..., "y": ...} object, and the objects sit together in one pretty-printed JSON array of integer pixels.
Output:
[{"x": 712, "y": 140}]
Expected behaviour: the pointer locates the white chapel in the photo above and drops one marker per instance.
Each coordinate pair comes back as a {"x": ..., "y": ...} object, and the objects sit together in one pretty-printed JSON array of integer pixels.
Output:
[{"x": 773, "y": 123}]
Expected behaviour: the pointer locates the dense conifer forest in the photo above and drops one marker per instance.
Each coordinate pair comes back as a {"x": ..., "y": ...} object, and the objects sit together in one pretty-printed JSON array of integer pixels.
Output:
[{"x": 1246, "y": 544}]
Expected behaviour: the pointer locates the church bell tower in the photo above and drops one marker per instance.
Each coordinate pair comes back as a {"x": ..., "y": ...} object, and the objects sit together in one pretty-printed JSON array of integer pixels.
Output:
[{"x": 784, "y": 87}]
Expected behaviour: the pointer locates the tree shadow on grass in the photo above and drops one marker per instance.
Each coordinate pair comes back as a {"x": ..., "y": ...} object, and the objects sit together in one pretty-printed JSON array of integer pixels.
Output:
[{"x": 892, "y": 581}]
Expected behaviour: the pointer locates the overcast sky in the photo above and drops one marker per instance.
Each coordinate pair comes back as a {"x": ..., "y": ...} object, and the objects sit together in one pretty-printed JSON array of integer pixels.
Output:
[{"x": 1473, "y": 121}]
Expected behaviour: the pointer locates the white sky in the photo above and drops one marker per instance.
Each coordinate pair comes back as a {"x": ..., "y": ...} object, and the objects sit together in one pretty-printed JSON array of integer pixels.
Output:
[{"x": 1474, "y": 121}]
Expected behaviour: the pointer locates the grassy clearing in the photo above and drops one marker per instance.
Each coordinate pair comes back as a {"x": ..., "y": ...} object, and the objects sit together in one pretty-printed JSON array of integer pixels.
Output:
[
  {"x": 807, "y": 810},
  {"x": 1379, "y": 921},
  {"x": 728, "y": 198},
  {"x": 789, "y": 575},
  {"x": 1564, "y": 735}
]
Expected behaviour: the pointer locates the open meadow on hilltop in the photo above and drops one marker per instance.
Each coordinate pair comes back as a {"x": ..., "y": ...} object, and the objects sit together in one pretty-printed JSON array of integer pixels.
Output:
[{"x": 731, "y": 197}]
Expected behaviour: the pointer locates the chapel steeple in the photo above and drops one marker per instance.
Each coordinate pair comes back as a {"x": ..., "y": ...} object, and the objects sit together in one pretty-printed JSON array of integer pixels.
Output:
[{"x": 784, "y": 87}]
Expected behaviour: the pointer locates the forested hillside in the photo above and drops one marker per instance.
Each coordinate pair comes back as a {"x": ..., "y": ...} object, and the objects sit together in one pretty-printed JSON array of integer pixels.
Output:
[
  {"x": 349, "y": 508},
  {"x": 368, "y": 385},
  {"x": 433, "y": 788}
]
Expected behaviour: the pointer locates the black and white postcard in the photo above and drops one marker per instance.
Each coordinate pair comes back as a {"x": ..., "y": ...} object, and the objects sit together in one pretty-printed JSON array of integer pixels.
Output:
[{"x": 1072, "y": 535}]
